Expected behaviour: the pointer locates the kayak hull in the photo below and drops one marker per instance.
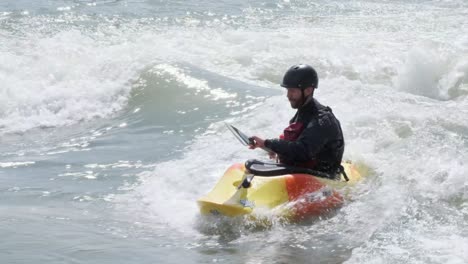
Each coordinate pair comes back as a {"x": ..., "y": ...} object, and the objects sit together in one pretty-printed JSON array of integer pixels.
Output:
[{"x": 292, "y": 197}]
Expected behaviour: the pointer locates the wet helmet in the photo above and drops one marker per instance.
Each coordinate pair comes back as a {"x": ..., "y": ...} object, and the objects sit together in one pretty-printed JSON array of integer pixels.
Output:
[{"x": 300, "y": 76}]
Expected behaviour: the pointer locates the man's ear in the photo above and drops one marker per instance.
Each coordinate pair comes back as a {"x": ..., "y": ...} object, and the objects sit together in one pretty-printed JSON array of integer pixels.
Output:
[{"x": 308, "y": 91}]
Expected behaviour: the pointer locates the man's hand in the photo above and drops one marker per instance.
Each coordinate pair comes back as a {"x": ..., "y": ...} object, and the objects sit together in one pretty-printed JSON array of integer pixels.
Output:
[
  {"x": 257, "y": 142},
  {"x": 260, "y": 143}
]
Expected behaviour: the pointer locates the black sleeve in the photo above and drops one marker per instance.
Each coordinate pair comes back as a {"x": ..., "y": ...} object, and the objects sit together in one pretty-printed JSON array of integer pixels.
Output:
[{"x": 310, "y": 142}]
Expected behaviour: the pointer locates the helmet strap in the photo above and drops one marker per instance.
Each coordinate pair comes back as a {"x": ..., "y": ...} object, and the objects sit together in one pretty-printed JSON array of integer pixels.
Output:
[{"x": 303, "y": 99}]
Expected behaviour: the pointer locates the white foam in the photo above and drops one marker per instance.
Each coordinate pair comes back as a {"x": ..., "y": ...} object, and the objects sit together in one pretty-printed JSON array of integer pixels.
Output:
[
  {"x": 16, "y": 164},
  {"x": 72, "y": 75},
  {"x": 433, "y": 73},
  {"x": 63, "y": 79}
]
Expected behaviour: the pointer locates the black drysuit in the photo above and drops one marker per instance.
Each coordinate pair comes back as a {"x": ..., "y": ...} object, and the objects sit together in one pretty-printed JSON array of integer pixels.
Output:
[{"x": 314, "y": 139}]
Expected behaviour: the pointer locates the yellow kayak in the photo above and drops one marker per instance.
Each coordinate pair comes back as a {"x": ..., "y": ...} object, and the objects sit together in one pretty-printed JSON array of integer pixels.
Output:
[{"x": 291, "y": 196}]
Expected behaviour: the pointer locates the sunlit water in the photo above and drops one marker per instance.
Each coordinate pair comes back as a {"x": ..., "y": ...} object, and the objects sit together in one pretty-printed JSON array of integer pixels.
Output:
[{"x": 111, "y": 126}]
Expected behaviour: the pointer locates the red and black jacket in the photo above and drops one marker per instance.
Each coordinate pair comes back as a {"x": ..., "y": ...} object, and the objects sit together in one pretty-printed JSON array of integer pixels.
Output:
[{"x": 313, "y": 139}]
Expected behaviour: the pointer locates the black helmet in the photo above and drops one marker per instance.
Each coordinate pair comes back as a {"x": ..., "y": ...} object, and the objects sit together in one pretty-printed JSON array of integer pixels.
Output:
[{"x": 300, "y": 76}]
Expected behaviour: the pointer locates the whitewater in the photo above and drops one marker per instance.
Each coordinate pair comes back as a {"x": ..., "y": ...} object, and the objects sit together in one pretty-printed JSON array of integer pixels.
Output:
[{"x": 112, "y": 126}]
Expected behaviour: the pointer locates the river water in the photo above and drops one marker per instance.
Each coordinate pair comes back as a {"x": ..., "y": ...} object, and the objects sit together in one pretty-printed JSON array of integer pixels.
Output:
[{"x": 112, "y": 125}]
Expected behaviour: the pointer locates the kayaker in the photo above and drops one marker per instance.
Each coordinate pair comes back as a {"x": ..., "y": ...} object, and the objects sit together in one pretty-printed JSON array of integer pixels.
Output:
[{"x": 313, "y": 138}]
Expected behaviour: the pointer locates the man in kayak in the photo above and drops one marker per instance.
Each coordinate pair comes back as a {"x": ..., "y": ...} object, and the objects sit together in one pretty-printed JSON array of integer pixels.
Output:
[{"x": 313, "y": 138}]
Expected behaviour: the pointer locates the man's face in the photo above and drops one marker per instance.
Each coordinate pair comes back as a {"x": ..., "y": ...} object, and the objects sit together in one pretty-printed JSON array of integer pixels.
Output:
[{"x": 295, "y": 97}]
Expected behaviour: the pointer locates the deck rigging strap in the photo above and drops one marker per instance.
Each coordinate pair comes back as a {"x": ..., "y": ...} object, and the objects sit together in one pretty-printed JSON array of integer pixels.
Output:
[{"x": 342, "y": 171}]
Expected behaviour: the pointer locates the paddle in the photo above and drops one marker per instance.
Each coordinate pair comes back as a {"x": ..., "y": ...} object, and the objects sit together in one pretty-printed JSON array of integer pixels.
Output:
[{"x": 243, "y": 138}]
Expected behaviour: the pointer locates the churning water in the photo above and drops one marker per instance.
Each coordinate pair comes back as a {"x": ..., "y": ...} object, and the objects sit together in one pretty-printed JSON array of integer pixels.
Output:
[{"x": 111, "y": 126}]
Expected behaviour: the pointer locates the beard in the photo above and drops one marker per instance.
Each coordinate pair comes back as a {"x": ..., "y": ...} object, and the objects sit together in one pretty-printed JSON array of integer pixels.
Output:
[{"x": 295, "y": 104}]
